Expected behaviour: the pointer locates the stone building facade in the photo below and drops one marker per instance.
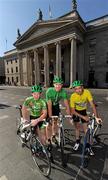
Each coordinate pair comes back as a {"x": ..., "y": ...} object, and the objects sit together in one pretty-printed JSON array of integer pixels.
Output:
[
  {"x": 11, "y": 62},
  {"x": 2, "y": 71},
  {"x": 67, "y": 47}
]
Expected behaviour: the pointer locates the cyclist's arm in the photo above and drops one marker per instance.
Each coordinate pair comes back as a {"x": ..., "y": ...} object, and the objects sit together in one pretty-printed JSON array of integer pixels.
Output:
[
  {"x": 94, "y": 108},
  {"x": 73, "y": 112},
  {"x": 49, "y": 104},
  {"x": 98, "y": 119},
  {"x": 66, "y": 102},
  {"x": 34, "y": 122},
  {"x": 25, "y": 113}
]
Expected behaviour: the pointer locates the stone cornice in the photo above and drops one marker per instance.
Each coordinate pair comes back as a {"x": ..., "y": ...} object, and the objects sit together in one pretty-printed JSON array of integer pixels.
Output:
[
  {"x": 94, "y": 29},
  {"x": 53, "y": 31},
  {"x": 70, "y": 36}
]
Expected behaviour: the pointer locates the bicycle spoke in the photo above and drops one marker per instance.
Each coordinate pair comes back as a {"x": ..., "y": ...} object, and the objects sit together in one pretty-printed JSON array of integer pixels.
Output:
[
  {"x": 85, "y": 154},
  {"x": 40, "y": 157},
  {"x": 62, "y": 147}
]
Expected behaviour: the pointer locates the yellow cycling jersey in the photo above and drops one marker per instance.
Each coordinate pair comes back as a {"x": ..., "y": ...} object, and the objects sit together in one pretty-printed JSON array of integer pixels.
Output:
[{"x": 79, "y": 102}]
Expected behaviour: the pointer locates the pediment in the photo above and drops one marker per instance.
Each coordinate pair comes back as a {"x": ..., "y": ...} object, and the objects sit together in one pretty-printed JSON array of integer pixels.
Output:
[{"x": 39, "y": 29}]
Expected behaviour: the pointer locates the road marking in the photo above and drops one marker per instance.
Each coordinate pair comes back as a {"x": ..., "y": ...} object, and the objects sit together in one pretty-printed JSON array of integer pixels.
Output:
[
  {"x": 3, "y": 177},
  {"x": 3, "y": 102},
  {"x": 4, "y": 117}
]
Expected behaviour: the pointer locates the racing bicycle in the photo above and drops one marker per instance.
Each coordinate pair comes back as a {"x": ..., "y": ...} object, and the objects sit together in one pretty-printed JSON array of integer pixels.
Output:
[
  {"x": 61, "y": 136},
  {"x": 39, "y": 152}
]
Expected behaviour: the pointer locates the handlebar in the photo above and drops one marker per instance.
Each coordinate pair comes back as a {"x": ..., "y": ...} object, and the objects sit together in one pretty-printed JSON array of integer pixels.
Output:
[
  {"x": 25, "y": 126},
  {"x": 66, "y": 116}
]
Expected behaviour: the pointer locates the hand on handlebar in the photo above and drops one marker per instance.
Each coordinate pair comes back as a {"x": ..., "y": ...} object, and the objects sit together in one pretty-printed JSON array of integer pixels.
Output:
[
  {"x": 98, "y": 120},
  {"x": 34, "y": 122}
]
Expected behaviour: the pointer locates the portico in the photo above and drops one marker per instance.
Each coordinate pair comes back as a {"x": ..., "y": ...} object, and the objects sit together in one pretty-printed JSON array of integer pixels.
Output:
[{"x": 53, "y": 52}]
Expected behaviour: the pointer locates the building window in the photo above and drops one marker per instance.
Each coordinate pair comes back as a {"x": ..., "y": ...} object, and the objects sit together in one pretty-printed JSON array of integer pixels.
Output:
[
  {"x": 16, "y": 69},
  {"x": 107, "y": 58},
  {"x": 7, "y": 70},
  {"x": 92, "y": 42},
  {"x": 11, "y": 70},
  {"x": 16, "y": 79},
  {"x": 12, "y": 79},
  {"x": 106, "y": 77},
  {"x": 92, "y": 60}
]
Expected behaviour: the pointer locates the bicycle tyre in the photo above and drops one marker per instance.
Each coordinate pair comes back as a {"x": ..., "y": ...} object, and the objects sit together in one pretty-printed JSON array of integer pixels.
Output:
[
  {"x": 85, "y": 155},
  {"x": 62, "y": 148},
  {"x": 19, "y": 126},
  {"x": 40, "y": 156},
  {"x": 97, "y": 128}
]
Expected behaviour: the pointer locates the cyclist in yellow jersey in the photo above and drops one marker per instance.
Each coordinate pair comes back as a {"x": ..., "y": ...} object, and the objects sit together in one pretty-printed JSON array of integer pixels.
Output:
[{"x": 78, "y": 104}]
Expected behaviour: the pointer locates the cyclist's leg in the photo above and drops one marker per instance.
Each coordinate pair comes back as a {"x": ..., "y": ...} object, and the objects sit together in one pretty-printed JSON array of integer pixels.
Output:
[
  {"x": 77, "y": 130},
  {"x": 49, "y": 131},
  {"x": 76, "y": 121},
  {"x": 55, "y": 127},
  {"x": 84, "y": 124},
  {"x": 55, "y": 112},
  {"x": 41, "y": 132}
]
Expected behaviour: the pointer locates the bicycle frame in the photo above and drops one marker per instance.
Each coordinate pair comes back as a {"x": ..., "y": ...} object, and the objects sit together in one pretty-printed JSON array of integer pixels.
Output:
[
  {"x": 88, "y": 138},
  {"x": 61, "y": 137}
]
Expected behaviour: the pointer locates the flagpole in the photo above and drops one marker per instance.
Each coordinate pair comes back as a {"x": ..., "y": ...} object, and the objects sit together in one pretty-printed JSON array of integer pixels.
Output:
[
  {"x": 50, "y": 13},
  {"x": 6, "y": 43}
]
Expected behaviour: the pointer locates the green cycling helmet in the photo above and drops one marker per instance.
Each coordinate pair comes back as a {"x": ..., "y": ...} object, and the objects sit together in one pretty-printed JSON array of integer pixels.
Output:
[
  {"x": 77, "y": 83},
  {"x": 36, "y": 88},
  {"x": 57, "y": 80}
]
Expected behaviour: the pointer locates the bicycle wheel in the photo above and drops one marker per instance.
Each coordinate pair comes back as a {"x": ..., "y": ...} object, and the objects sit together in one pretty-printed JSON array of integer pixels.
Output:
[
  {"x": 62, "y": 147},
  {"x": 40, "y": 156},
  {"x": 97, "y": 128},
  {"x": 19, "y": 126},
  {"x": 85, "y": 153}
]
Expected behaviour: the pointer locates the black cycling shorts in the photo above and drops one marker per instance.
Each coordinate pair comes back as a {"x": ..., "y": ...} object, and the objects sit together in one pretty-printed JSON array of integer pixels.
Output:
[
  {"x": 77, "y": 118},
  {"x": 55, "y": 110}
]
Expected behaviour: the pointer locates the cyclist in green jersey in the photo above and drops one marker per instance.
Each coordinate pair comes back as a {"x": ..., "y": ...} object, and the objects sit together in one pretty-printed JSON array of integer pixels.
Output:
[
  {"x": 53, "y": 97},
  {"x": 34, "y": 109}
]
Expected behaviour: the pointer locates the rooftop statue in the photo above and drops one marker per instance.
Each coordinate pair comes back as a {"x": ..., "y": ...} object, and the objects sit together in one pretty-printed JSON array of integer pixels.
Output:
[
  {"x": 74, "y": 3},
  {"x": 18, "y": 33},
  {"x": 40, "y": 15}
]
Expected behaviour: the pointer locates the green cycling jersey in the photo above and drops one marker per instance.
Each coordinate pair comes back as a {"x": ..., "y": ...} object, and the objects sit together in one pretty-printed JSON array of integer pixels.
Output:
[
  {"x": 35, "y": 106},
  {"x": 55, "y": 96}
]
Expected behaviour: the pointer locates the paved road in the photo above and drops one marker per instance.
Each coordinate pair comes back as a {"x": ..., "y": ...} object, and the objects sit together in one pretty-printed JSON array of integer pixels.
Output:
[{"x": 16, "y": 162}]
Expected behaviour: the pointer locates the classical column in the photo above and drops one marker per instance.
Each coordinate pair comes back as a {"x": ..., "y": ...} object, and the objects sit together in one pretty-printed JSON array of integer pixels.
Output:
[
  {"x": 20, "y": 69},
  {"x": 37, "y": 67},
  {"x": 58, "y": 58},
  {"x": 73, "y": 60},
  {"x": 29, "y": 69},
  {"x": 46, "y": 66}
]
